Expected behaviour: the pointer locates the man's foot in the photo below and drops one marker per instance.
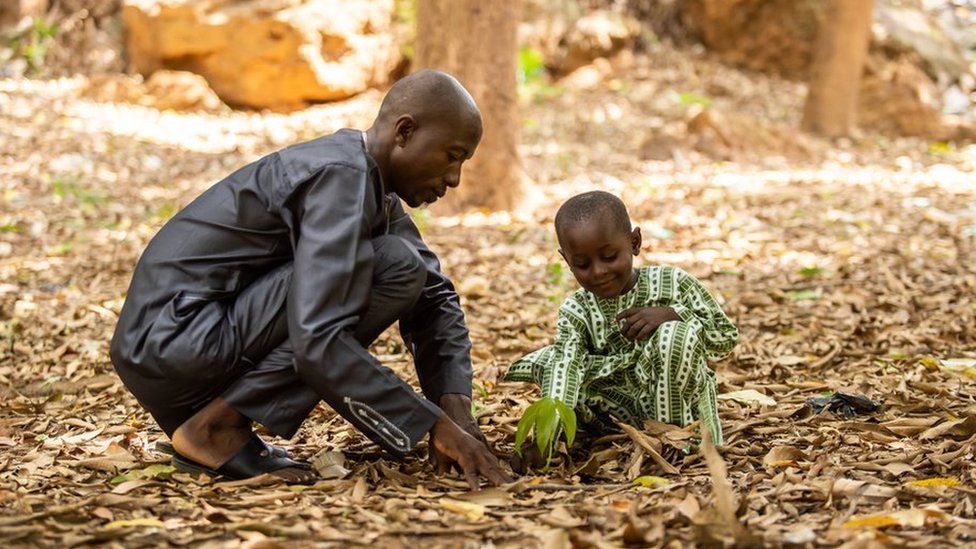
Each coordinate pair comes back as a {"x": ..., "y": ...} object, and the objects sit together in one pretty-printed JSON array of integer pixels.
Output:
[{"x": 217, "y": 433}]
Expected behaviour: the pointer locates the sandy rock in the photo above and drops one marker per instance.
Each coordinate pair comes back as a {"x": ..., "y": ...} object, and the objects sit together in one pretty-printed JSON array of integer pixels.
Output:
[
  {"x": 725, "y": 135},
  {"x": 277, "y": 54},
  {"x": 777, "y": 35},
  {"x": 599, "y": 34},
  {"x": 899, "y": 98},
  {"x": 164, "y": 90},
  {"x": 181, "y": 91}
]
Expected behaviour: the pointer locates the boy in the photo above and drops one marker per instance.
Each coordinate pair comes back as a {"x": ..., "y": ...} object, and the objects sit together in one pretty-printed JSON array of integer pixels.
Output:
[
  {"x": 260, "y": 298},
  {"x": 632, "y": 343}
]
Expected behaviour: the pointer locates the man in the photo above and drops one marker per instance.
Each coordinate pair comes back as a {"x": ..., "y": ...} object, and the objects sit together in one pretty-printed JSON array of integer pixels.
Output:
[{"x": 260, "y": 298}]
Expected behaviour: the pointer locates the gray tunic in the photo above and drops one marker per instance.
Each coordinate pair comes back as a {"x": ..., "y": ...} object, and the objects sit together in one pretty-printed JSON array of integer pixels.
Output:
[{"x": 317, "y": 204}]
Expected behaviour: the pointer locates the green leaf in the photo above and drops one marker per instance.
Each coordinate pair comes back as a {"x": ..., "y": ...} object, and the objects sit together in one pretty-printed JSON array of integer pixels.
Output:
[
  {"x": 156, "y": 471},
  {"x": 531, "y": 63},
  {"x": 546, "y": 426},
  {"x": 649, "y": 481},
  {"x": 690, "y": 98},
  {"x": 811, "y": 271},
  {"x": 524, "y": 425},
  {"x": 800, "y": 295},
  {"x": 568, "y": 417}
]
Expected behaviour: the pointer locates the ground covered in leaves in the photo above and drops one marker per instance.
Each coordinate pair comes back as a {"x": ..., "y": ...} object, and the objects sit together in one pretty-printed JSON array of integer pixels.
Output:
[{"x": 849, "y": 267}]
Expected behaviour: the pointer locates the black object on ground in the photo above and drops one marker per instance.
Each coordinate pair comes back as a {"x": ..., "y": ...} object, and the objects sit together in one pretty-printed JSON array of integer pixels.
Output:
[{"x": 845, "y": 404}]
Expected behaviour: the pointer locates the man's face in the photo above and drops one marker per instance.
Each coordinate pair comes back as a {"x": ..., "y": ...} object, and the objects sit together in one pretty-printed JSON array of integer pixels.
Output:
[
  {"x": 600, "y": 255},
  {"x": 426, "y": 159}
]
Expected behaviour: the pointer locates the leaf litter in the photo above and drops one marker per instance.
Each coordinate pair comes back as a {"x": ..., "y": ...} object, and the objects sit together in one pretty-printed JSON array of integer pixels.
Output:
[{"x": 845, "y": 273}]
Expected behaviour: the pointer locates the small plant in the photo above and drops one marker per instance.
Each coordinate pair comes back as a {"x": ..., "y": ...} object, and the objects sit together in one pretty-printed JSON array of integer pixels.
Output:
[
  {"x": 34, "y": 42},
  {"x": 531, "y": 65},
  {"x": 546, "y": 418}
]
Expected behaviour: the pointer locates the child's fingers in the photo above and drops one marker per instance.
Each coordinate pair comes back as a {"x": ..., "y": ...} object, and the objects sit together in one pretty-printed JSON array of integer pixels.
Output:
[
  {"x": 634, "y": 327},
  {"x": 645, "y": 332},
  {"x": 626, "y": 313}
]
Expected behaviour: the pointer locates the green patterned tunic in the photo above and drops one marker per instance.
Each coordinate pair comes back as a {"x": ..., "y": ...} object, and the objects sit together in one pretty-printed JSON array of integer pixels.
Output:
[{"x": 593, "y": 368}]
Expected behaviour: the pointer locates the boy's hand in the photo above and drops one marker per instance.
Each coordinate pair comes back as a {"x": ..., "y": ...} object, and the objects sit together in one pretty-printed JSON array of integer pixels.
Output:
[
  {"x": 449, "y": 444},
  {"x": 640, "y": 322},
  {"x": 458, "y": 408}
]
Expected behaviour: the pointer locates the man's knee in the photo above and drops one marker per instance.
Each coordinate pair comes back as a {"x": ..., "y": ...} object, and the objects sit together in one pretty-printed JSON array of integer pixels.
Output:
[{"x": 398, "y": 265}]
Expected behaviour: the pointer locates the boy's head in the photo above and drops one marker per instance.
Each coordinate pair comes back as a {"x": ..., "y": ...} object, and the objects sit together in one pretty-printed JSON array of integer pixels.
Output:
[
  {"x": 428, "y": 125},
  {"x": 596, "y": 240}
]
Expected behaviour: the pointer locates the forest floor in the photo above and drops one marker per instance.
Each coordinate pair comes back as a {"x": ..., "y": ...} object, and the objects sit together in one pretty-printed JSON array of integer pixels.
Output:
[{"x": 847, "y": 266}]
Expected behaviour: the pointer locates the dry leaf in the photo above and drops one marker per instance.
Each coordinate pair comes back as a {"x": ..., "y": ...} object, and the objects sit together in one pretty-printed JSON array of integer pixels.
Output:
[{"x": 473, "y": 511}]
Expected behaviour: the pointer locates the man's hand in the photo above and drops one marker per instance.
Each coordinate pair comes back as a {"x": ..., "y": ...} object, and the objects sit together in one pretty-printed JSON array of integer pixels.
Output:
[
  {"x": 458, "y": 408},
  {"x": 449, "y": 444},
  {"x": 640, "y": 322}
]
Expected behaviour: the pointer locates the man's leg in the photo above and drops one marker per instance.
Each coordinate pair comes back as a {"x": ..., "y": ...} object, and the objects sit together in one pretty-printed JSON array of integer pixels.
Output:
[
  {"x": 272, "y": 394},
  {"x": 269, "y": 391}
]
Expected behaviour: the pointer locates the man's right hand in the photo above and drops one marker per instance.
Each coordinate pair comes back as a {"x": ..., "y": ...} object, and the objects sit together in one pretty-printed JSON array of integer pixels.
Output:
[{"x": 450, "y": 444}]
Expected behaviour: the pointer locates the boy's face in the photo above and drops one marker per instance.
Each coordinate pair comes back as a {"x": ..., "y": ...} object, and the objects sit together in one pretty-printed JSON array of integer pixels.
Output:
[
  {"x": 600, "y": 255},
  {"x": 427, "y": 159}
]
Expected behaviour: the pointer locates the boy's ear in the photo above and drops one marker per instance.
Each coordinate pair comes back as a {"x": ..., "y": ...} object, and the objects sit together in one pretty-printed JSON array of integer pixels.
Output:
[
  {"x": 635, "y": 241},
  {"x": 562, "y": 255},
  {"x": 403, "y": 129}
]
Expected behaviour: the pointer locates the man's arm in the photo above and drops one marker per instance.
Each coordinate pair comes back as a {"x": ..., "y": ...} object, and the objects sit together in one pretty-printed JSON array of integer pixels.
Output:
[
  {"x": 434, "y": 330},
  {"x": 330, "y": 291}
]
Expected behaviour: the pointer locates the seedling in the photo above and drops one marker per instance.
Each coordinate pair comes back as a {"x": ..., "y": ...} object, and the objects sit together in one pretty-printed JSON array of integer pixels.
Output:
[{"x": 546, "y": 418}]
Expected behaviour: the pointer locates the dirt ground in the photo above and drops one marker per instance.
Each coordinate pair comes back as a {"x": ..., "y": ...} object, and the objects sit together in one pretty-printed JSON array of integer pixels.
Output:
[{"x": 847, "y": 266}]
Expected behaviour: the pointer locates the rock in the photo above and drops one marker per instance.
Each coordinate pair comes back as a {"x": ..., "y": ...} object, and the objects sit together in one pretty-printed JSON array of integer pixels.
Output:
[
  {"x": 909, "y": 29},
  {"x": 587, "y": 77},
  {"x": 899, "y": 98},
  {"x": 277, "y": 54},
  {"x": 777, "y": 35},
  {"x": 164, "y": 90},
  {"x": 659, "y": 147},
  {"x": 181, "y": 91},
  {"x": 599, "y": 34},
  {"x": 726, "y": 135}
]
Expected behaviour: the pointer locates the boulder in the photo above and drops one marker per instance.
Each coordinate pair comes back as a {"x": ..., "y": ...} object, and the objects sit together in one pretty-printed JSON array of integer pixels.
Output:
[
  {"x": 276, "y": 54},
  {"x": 896, "y": 97},
  {"x": 777, "y": 35},
  {"x": 164, "y": 90},
  {"x": 599, "y": 34}
]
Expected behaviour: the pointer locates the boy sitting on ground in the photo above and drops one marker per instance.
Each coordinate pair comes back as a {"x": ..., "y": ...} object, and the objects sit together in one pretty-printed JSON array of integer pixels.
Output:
[{"x": 633, "y": 344}]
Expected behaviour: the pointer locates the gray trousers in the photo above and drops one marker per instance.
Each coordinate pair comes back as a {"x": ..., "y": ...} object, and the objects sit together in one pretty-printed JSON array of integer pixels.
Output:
[{"x": 259, "y": 379}]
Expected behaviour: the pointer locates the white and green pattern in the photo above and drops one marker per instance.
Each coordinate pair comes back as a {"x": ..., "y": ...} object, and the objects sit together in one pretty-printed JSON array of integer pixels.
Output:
[{"x": 593, "y": 368}]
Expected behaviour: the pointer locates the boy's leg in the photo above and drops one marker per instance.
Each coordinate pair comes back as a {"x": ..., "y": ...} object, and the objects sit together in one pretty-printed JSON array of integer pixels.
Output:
[{"x": 682, "y": 384}]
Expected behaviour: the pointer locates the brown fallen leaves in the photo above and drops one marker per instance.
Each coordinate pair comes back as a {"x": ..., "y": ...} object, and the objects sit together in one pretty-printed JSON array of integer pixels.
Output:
[{"x": 843, "y": 276}]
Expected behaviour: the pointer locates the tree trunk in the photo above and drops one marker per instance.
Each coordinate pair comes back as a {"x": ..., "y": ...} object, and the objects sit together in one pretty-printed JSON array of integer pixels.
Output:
[
  {"x": 476, "y": 42},
  {"x": 835, "y": 73}
]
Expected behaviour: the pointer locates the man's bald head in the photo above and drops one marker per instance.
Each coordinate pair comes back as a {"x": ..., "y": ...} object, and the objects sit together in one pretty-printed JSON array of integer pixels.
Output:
[{"x": 432, "y": 97}]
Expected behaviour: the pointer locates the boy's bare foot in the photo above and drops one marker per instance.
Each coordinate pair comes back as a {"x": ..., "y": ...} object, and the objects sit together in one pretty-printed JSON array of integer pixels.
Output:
[{"x": 216, "y": 433}]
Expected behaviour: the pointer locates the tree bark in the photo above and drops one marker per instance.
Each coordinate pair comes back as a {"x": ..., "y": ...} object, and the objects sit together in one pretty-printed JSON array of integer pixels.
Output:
[
  {"x": 476, "y": 42},
  {"x": 835, "y": 73}
]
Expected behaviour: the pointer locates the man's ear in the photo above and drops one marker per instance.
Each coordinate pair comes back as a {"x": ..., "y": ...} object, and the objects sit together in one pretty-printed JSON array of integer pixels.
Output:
[
  {"x": 562, "y": 255},
  {"x": 635, "y": 241},
  {"x": 403, "y": 129}
]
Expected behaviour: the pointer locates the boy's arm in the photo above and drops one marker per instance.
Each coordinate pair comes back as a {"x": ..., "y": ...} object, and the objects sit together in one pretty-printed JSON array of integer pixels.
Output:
[
  {"x": 696, "y": 305},
  {"x": 434, "y": 330}
]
